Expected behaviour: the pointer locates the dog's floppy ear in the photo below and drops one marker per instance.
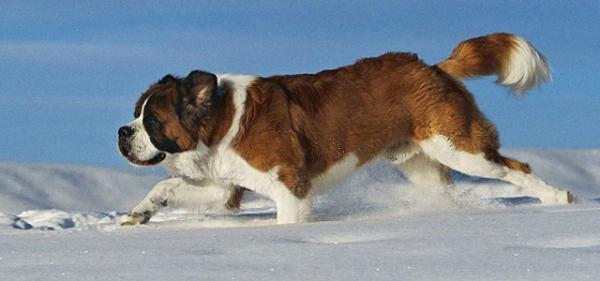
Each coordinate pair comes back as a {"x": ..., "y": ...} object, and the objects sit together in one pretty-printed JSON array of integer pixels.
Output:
[
  {"x": 201, "y": 85},
  {"x": 198, "y": 91},
  {"x": 167, "y": 79}
]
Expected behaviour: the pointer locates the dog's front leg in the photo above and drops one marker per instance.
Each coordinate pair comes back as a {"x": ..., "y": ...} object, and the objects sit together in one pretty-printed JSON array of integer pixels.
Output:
[
  {"x": 156, "y": 198},
  {"x": 181, "y": 192}
]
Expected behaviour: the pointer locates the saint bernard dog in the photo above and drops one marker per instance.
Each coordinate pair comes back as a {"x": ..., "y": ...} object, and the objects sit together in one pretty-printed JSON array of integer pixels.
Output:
[{"x": 290, "y": 137}]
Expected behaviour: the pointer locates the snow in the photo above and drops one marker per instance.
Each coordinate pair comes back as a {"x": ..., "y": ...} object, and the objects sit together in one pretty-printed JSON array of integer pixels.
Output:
[
  {"x": 71, "y": 188},
  {"x": 59, "y": 223}
]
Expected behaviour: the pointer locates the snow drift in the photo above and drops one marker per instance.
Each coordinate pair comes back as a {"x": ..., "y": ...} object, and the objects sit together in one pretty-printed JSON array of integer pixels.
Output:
[
  {"x": 61, "y": 196},
  {"x": 70, "y": 188},
  {"x": 374, "y": 226}
]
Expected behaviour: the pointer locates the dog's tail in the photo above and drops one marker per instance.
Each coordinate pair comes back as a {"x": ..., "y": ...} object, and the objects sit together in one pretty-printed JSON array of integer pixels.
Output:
[{"x": 515, "y": 61}]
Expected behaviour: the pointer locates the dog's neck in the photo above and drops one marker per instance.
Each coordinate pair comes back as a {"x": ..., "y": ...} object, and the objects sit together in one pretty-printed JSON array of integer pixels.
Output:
[{"x": 221, "y": 114}]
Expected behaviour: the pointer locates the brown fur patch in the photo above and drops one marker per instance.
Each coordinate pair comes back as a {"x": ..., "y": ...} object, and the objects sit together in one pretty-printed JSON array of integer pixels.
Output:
[
  {"x": 516, "y": 165},
  {"x": 162, "y": 106},
  {"x": 304, "y": 124}
]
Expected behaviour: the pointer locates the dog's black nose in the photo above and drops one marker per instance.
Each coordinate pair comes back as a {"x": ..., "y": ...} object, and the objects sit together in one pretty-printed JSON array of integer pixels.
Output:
[{"x": 125, "y": 132}]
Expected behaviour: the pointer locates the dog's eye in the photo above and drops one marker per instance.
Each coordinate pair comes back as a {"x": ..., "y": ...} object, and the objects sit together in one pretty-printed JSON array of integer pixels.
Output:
[{"x": 152, "y": 123}]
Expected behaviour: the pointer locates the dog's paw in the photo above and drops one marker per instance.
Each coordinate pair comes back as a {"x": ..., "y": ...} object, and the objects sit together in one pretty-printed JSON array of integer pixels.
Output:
[
  {"x": 570, "y": 198},
  {"x": 135, "y": 218},
  {"x": 559, "y": 197}
]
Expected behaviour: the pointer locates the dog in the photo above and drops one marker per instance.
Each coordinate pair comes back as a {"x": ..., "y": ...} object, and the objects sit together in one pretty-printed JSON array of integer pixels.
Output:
[{"x": 290, "y": 137}]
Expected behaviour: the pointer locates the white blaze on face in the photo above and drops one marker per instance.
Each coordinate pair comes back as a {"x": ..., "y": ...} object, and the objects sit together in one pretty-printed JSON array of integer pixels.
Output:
[{"x": 141, "y": 147}]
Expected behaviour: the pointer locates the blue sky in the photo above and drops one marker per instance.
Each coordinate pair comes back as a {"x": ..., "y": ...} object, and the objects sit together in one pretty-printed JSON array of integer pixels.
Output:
[{"x": 70, "y": 72}]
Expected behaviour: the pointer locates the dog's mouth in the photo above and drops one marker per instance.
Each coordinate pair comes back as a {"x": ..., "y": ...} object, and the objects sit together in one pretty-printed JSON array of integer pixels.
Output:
[
  {"x": 125, "y": 151},
  {"x": 153, "y": 161}
]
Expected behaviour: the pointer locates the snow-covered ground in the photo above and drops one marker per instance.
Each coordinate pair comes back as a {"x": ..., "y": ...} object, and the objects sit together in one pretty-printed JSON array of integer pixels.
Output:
[{"x": 59, "y": 223}]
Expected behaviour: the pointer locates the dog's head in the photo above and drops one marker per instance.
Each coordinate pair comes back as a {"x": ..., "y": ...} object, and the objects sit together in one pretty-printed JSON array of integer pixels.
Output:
[{"x": 169, "y": 117}]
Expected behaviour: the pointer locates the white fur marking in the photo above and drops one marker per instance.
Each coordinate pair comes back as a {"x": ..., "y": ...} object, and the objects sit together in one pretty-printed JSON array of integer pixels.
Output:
[
  {"x": 182, "y": 193},
  {"x": 240, "y": 84},
  {"x": 526, "y": 69},
  {"x": 441, "y": 149},
  {"x": 141, "y": 147}
]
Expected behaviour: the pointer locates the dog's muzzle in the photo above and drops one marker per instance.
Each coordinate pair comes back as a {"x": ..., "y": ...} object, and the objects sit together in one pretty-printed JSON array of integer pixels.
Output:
[{"x": 126, "y": 134}]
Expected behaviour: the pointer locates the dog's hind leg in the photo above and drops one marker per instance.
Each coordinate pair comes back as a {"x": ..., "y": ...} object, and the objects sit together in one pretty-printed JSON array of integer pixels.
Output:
[
  {"x": 182, "y": 193},
  {"x": 490, "y": 164},
  {"x": 430, "y": 177},
  {"x": 423, "y": 171}
]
